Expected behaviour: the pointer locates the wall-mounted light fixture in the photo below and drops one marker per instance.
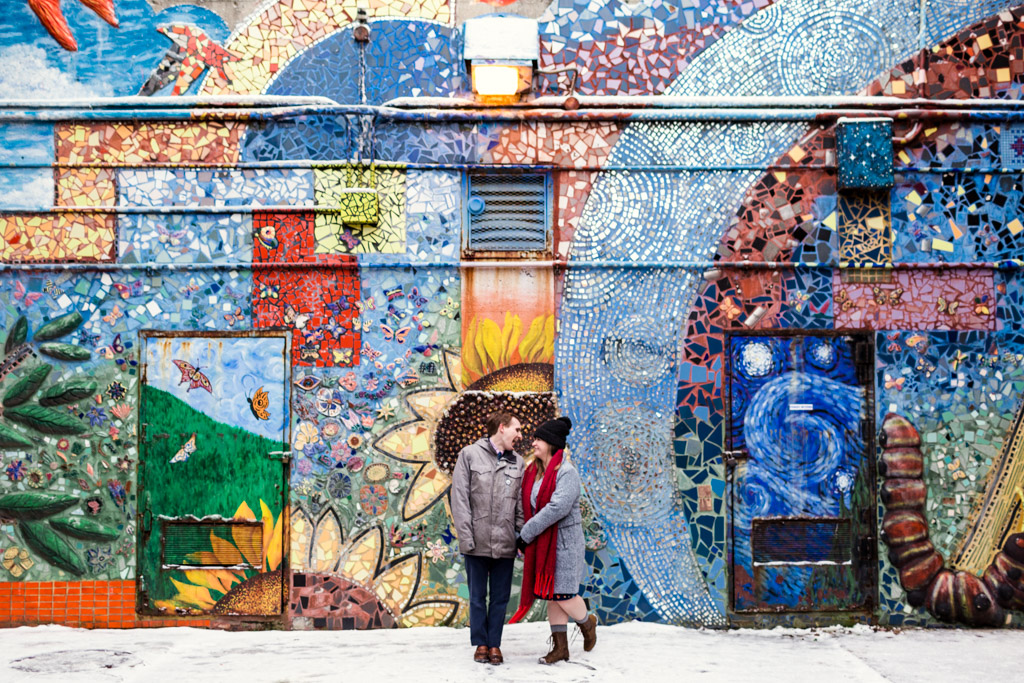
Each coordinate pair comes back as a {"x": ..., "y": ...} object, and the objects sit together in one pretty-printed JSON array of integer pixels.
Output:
[{"x": 501, "y": 52}]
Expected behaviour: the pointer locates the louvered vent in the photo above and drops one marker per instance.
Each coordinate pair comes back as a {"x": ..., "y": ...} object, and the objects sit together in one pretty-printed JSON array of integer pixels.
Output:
[
  {"x": 507, "y": 212},
  {"x": 188, "y": 544},
  {"x": 781, "y": 541}
]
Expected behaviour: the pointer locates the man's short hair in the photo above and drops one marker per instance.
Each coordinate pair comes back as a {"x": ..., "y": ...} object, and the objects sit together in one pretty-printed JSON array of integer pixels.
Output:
[{"x": 495, "y": 420}]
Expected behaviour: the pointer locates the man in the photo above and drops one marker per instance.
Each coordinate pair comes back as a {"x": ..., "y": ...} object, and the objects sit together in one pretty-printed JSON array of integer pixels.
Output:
[{"x": 488, "y": 511}]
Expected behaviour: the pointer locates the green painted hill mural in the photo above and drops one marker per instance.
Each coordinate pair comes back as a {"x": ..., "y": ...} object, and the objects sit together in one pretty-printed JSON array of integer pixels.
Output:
[{"x": 228, "y": 466}]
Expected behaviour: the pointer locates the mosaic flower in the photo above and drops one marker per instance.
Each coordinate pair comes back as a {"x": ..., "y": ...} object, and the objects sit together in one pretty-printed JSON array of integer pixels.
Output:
[
  {"x": 116, "y": 391},
  {"x": 98, "y": 558},
  {"x": 357, "y": 572},
  {"x": 349, "y": 381},
  {"x": 63, "y": 445},
  {"x": 35, "y": 478},
  {"x": 436, "y": 551},
  {"x": 226, "y": 591},
  {"x": 97, "y": 416},
  {"x": 121, "y": 411},
  {"x": 16, "y": 561},
  {"x": 117, "y": 492},
  {"x": 494, "y": 358},
  {"x": 410, "y": 442},
  {"x": 16, "y": 471},
  {"x": 94, "y": 505}
]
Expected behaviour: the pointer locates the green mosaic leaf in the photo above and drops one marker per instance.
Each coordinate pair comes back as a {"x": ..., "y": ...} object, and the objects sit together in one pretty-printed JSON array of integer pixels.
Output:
[
  {"x": 26, "y": 387},
  {"x": 84, "y": 529},
  {"x": 34, "y": 504},
  {"x": 67, "y": 392},
  {"x": 52, "y": 547},
  {"x": 45, "y": 420},
  {"x": 18, "y": 334},
  {"x": 58, "y": 327},
  {"x": 65, "y": 352},
  {"x": 11, "y": 438}
]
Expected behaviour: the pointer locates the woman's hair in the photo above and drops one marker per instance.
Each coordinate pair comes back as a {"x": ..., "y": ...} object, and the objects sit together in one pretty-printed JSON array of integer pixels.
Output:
[{"x": 540, "y": 465}]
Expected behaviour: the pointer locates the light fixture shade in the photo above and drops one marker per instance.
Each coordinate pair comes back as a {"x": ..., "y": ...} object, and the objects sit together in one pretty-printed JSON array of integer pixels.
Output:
[{"x": 502, "y": 37}]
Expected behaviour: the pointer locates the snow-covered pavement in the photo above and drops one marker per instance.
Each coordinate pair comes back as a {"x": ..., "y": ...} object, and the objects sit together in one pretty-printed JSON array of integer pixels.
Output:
[{"x": 645, "y": 653}]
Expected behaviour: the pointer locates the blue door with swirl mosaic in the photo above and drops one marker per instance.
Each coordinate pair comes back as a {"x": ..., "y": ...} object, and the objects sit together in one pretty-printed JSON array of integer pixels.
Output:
[{"x": 802, "y": 494}]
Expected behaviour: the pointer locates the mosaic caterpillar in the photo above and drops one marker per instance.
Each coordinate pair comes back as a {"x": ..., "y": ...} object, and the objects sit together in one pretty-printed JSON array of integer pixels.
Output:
[{"x": 948, "y": 594}]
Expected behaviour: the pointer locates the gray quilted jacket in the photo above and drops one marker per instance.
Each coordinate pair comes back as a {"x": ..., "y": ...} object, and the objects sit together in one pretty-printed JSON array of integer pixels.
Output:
[
  {"x": 487, "y": 501},
  {"x": 564, "y": 510}
]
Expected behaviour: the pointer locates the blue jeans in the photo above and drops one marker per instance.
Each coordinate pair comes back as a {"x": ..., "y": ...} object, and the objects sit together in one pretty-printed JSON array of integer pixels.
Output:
[{"x": 486, "y": 621}]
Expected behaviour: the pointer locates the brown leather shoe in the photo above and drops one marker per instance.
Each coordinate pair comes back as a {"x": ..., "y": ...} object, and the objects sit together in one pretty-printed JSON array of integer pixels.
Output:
[
  {"x": 495, "y": 656},
  {"x": 559, "y": 649},
  {"x": 589, "y": 630},
  {"x": 481, "y": 656}
]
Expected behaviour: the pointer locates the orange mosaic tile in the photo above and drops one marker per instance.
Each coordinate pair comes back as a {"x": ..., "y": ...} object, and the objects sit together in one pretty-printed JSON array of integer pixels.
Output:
[
  {"x": 213, "y": 142},
  {"x": 84, "y": 604},
  {"x": 85, "y": 187},
  {"x": 57, "y": 237}
]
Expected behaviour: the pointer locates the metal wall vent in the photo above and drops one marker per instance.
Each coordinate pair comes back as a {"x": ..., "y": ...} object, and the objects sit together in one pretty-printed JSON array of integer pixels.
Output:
[
  {"x": 795, "y": 541},
  {"x": 189, "y": 544},
  {"x": 507, "y": 212}
]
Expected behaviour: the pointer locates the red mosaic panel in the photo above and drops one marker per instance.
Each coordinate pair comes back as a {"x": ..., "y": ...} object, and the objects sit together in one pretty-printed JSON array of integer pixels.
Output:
[
  {"x": 913, "y": 300},
  {"x": 318, "y": 304},
  {"x": 212, "y": 142}
]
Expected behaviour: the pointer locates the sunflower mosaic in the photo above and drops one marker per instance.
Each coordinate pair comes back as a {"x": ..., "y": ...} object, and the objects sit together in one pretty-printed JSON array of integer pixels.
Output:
[
  {"x": 444, "y": 422},
  {"x": 353, "y": 584},
  {"x": 233, "y": 591}
]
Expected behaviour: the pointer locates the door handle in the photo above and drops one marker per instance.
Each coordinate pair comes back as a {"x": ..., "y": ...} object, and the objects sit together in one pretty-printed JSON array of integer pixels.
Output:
[{"x": 733, "y": 458}]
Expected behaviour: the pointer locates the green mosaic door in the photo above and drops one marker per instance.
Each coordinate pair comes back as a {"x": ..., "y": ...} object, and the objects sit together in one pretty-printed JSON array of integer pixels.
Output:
[{"x": 212, "y": 474}]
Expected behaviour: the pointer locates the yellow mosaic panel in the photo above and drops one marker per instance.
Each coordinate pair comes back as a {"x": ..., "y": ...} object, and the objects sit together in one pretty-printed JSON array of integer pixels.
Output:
[
  {"x": 865, "y": 227},
  {"x": 338, "y": 233},
  {"x": 85, "y": 187},
  {"x": 432, "y": 613},
  {"x": 396, "y": 585},
  {"x": 429, "y": 485},
  {"x": 301, "y": 532},
  {"x": 57, "y": 237},
  {"x": 326, "y": 543},
  {"x": 284, "y": 28},
  {"x": 213, "y": 142},
  {"x": 360, "y": 563}
]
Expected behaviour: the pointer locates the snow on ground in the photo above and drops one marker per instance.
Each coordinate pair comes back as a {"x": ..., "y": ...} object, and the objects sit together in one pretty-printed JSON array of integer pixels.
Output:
[{"x": 645, "y": 653}]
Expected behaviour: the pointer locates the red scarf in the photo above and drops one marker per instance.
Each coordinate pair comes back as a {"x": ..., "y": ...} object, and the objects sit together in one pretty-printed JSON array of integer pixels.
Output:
[{"x": 539, "y": 565}]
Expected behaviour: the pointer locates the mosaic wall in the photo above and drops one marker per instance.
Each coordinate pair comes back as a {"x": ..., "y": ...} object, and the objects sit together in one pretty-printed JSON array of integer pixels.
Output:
[{"x": 342, "y": 234}]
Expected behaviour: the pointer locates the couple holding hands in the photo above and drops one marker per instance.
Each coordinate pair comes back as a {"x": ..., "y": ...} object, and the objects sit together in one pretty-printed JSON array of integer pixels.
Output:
[{"x": 500, "y": 504}]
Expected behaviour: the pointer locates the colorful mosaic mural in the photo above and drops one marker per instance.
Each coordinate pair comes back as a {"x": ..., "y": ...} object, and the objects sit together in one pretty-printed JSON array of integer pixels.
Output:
[{"x": 273, "y": 306}]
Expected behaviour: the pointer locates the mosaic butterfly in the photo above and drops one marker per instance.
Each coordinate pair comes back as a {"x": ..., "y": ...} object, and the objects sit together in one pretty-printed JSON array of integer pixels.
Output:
[
  {"x": 948, "y": 307},
  {"x": 51, "y": 288},
  {"x": 258, "y": 404},
  {"x": 342, "y": 356},
  {"x": 127, "y": 290},
  {"x": 113, "y": 349},
  {"x": 191, "y": 288},
  {"x": 114, "y": 315},
  {"x": 293, "y": 317},
  {"x": 195, "y": 379},
  {"x": 393, "y": 294},
  {"x": 28, "y": 297},
  {"x": 186, "y": 450},
  {"x": 451, "y": 309},
  {"x": 414, "y": 296},
  {"x": 232, "y": 318},
  {"x": 398, "y": 335}
]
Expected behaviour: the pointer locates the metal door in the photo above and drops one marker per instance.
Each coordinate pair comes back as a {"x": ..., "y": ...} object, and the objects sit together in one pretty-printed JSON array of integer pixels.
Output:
[
  {"x": 802, "y": 486},
  {"x": 212, "y": 473}
]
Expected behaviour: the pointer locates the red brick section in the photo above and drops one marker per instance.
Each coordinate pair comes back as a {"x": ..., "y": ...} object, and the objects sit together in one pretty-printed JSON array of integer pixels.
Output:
[{"x": 85, "y": 604}]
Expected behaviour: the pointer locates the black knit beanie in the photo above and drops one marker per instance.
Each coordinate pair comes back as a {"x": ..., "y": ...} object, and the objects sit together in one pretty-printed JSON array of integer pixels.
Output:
[{"x": 554, "y": 432}]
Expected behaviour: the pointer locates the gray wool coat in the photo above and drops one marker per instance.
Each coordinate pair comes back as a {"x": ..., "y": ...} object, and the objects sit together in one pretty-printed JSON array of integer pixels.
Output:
[
  {"x": 564, "y": 510},
  {"x": 486, "y": 500}
]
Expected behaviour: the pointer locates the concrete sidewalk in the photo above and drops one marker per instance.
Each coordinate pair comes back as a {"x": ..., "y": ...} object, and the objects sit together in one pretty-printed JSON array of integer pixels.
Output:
[{"x": 627, "y": 652}]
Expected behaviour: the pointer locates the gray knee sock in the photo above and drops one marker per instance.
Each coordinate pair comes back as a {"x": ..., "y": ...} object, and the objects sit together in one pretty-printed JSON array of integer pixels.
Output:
[
  {"x": 559, "y": 628},
  {"x": 583, "y": 621}
]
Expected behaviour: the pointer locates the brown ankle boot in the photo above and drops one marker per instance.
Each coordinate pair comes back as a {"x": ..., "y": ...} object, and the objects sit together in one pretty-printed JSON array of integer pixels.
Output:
[
  {"x": 589, "y": 630},
  {"x": 559, "y": 649}
]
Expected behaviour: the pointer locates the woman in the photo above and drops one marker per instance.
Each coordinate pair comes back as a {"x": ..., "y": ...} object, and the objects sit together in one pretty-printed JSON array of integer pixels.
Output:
[{"x": 553, "y": 540}]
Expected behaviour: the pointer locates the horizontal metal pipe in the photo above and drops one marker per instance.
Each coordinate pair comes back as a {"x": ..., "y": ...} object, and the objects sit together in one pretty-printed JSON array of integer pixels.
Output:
[
  {"x": 1009, "y": 264},
  {"x": 622, "y": 115},
  {"x": 418, "y": 166},
  {"x": 180, "y": 209}
]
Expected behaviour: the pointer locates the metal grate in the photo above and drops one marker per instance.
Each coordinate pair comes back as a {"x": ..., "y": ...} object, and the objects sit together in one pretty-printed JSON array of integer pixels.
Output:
[
  {"x": 790, "y": 541},
  {"x": 507, "y": 212},
  {"x": 190, "y": 544}
]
